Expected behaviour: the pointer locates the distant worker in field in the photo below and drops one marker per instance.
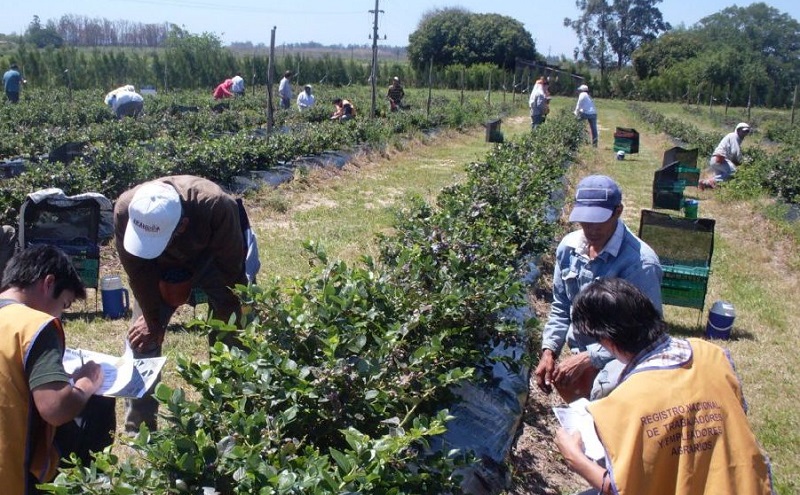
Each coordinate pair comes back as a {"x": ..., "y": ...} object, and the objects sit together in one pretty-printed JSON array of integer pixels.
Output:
[
  {"x": 539, "y": 102},
  {"x": 726, "y": 157},
  {"x": 12, "y": 83},
  {"x": 237, "y": 85},
  {"x": 344, "y": 110},
  {"x": 125, "y": 101},
  {"x": 223, "y": 90},
  {"x": 585, "y": 110},
  {"x": 306, "y": 99},
  {"x": 285, "y": 90},
  {"x": 395, "y": 95}
]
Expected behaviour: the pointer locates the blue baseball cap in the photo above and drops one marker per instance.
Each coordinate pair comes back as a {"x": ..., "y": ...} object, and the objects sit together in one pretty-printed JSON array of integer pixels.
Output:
[{"x": 596, "y": 198}]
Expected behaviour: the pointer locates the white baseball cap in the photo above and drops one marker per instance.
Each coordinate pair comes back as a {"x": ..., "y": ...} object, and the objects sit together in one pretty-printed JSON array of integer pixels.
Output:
[{"x": 153, "y": 215}]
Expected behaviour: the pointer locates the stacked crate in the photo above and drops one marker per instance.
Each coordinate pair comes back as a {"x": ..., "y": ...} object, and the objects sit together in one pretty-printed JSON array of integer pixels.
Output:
[{"x": 626, "y": 140}]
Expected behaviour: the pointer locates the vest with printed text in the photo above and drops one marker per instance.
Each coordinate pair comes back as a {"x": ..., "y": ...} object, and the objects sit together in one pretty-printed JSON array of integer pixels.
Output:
[
  {"x": 681, "y": 431},
  {"x": 27, "y": 440}
]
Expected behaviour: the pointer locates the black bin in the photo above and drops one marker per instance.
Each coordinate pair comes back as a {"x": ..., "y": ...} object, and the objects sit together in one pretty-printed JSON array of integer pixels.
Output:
[{"x": 493, "y": 134}]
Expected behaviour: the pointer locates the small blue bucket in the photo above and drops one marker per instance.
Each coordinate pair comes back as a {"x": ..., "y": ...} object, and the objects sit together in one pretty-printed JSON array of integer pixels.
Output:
[{"x": 720, "y": 320}]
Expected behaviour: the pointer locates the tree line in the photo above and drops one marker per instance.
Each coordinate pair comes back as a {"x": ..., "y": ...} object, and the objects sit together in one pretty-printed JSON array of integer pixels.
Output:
[{"x": 80, "y": 30}]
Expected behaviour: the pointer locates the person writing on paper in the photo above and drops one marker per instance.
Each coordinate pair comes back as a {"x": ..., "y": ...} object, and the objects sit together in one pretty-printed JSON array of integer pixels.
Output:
[
  {"x": 602, "y": 247},
  {"x": 37, "y": 395},
  {"x": 667, "y": 427}
]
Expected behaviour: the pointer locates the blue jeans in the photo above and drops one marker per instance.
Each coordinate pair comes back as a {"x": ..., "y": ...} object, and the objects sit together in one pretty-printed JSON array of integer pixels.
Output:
[{"x": 592, "y": 118}]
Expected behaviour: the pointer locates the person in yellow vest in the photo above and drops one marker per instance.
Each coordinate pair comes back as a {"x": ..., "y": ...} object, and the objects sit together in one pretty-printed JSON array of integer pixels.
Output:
[
  {"x": 37, "y": 395},
  {"x": 676, "y": 422}
]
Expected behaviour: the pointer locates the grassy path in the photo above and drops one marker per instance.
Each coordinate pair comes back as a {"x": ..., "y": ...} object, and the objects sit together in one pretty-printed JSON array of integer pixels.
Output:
[{"x": 755, "y": 266}]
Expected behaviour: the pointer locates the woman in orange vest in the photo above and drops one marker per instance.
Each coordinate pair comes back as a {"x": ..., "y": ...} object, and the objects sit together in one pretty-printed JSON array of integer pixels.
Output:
[{"x": 676, "y": 423}]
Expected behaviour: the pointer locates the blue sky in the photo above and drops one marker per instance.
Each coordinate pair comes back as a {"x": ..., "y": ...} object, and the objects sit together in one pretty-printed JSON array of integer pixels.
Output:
[{"x": 342, "y": 21}]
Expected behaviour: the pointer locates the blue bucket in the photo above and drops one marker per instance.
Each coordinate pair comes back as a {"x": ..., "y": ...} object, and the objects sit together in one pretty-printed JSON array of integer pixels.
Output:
[{"x": 720, "y": 320}]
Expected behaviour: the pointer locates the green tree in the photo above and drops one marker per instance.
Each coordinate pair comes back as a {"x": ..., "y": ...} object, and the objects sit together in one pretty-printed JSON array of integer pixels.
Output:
[
  {"x": 766, "y": 35},
  {"x": 456, "y": 36},
  {"x": 654, "y": 57},
  {"x": 42, "y": 36},
  {"x": 611, "y": 32}
]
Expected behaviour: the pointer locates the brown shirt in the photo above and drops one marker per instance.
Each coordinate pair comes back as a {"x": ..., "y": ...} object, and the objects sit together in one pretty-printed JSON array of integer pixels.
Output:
[{"x": 213, "y": 237}]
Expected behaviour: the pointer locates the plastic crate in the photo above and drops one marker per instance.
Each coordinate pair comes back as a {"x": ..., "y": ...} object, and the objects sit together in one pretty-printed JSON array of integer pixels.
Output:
[
  {"x": 684, "y": 286},
  {"x": 626, "y": 139},
  {"x": 689, "y": 175},
  {"x": 667, "y": 200}
]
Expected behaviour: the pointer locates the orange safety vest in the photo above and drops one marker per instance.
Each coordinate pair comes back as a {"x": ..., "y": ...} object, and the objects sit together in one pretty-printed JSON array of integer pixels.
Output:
[
  {"x": 681, "y": 431},
  {"x": 27, "y": 440}
]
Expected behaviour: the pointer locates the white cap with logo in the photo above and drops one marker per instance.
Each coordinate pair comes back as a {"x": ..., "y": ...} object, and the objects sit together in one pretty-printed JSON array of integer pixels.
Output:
[{"x": 153, "y": 215}]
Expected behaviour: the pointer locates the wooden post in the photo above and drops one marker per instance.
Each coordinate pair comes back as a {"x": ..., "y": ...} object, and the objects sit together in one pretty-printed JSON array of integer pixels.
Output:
[
  {"x": 430, "y": 87},
  {"x": 794, "y": 103},
  {"x": 463, "y": 73},
  {"x": 489, "y": 91},
  {"x": 270, "y": 70},
  {"x": 749, "y": 101},
  {"x": 514, "y": 87}
]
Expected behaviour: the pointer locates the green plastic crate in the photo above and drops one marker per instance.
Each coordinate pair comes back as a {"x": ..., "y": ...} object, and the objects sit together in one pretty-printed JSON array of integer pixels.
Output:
[{"x": 689, "y": 175}]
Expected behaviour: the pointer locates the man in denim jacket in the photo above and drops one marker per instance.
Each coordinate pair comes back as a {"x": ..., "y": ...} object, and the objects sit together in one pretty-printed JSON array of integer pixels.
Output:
[{"x": 603, "y": 247}]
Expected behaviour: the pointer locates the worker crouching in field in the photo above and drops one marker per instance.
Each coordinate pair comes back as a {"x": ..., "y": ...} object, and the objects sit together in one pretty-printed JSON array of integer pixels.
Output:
[
  {"x": 125, "y": 102},
  {"x": 344, "y": 110}
]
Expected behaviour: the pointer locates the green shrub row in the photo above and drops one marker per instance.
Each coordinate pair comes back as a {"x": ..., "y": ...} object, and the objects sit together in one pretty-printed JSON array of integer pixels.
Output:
[
  {"x": 345, "y": 374},
  {"x": 188, "y": 133}
]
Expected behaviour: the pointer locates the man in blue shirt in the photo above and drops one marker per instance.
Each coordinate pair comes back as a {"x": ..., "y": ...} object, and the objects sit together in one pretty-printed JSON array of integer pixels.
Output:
[
  {"x": 603, "y": 247},
  {"x": 12, "y": 82}
]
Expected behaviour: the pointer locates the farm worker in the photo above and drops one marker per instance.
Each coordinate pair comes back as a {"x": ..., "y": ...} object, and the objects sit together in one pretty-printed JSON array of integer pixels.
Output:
[
  {"x": 344, "y": 110},
  {"x": 12, "y": 83},
  {"x": 727, "y": 156},
  {"x": 223, "y": 89},
  {"x": 305, "y": 99},
  {"x": 173, "y": 234},
  {"x": 539, "y": 102},
  {"x": 37, "y": 395},
  {"x": 395, "y": 94},
  {"x": 676, "y": 423},
  {"x": 125, "y": 101},
  {"x": 602, "y": 247},
  {"x": 585, "y": 110},
  {"x": 237, "y": 85},
  {"x": 285, "y": 90}
]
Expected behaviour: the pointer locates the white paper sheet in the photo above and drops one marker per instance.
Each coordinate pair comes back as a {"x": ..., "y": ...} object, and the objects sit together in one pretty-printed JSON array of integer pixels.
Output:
[
  {"x": 123, "y": 376},
  {"x": 575, "y": 417}
]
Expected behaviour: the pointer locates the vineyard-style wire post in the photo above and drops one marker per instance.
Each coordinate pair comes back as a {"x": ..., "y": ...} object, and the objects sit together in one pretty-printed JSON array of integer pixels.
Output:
[
  {"x": 749, "y": 101},
  {"x": 69, "y": 83},
  {"x": 430, "y": 87},
  {"x": 270, "y": 109},
  {"x": 794, "y": 103},
  {"x": 514, "y": 87},
  {"x": 374, "y": 72},
  {"x": 489, "y": 91},
  {"x": 504, "y": 84},
  {"x": 463, "y": 73}
]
